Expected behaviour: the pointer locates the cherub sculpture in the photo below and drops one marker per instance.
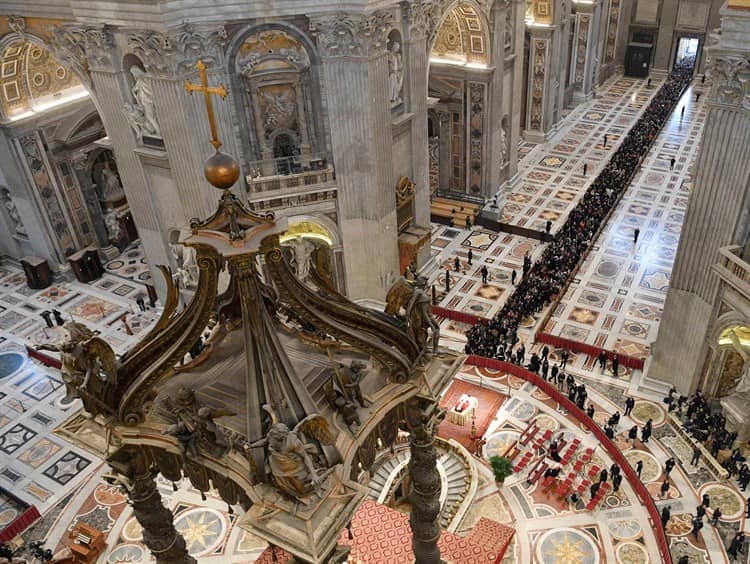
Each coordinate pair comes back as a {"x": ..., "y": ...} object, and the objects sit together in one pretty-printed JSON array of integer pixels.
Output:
[
  {"x": 289, "y": 458},
  {"x": 89, "y": 367},
  {"x": 410, "y": 303}
]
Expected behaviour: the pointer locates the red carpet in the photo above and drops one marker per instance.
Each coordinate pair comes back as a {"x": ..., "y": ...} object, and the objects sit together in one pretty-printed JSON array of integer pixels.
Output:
[
  {"x": 382, "y": 535},
  {"x": 489, "y": 402}
]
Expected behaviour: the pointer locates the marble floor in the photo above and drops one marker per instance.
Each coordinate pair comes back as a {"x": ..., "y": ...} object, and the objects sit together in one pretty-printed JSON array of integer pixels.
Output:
[
  {"x": 36, "y": 464},
  {"x": 615, "y": 301}
]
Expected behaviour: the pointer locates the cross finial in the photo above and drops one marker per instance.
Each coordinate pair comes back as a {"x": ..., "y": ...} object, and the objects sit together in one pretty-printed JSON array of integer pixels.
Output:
[{"x": 207, "y": 91}]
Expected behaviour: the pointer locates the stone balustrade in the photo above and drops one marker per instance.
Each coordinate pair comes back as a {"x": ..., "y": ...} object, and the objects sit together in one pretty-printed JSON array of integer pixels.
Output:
[{"x": 733, "y": 270}]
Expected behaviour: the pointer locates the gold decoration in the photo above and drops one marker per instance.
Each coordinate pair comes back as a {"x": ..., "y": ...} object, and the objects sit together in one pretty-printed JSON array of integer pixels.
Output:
[{"x": 207, "y": 91}]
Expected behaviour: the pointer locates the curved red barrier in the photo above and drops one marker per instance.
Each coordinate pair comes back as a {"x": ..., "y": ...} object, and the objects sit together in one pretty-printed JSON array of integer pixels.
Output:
[
  {"x": 19, "y": 524},
  {"x": 591, "y": 350},
  {"x": 607, "y": 444}
]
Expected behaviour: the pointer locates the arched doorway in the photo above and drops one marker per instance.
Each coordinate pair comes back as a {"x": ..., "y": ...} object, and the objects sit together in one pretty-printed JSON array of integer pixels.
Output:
[
  {"x": 314, "y": 250},
  {"x": 734, "y": 359},
  {"x": 458, "y": 81}
]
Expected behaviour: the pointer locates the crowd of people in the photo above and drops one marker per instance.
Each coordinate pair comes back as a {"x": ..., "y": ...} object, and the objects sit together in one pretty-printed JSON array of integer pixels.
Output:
[{"x": 548, "y": 276}]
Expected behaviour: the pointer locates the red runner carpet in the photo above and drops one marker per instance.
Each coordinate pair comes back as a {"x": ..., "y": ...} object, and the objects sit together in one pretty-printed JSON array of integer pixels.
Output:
[
  {"x": 489, "y": 403},
  {"x": 382, "y": 536}
]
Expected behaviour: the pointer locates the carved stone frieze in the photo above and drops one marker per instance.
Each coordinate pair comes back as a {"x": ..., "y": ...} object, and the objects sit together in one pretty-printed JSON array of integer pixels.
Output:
[
  {"x": 352, "y": 35},
  {"x": 177, "y": 51},
  {"x": 730, "y": 73}
]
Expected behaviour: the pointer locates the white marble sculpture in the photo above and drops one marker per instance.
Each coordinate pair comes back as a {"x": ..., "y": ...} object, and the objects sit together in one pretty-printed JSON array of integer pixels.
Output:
[
  {"x": 114, "y": 231},
  {"x": 144, "y": 97},
  {"x": 743, "y": 385},
  {"x": 503, "y": 147},
  {"x": 187, "y": 266},
  {"x": 137, "y": 120},
  {"x": 111, "y": 187},
  {"x": 301, "y": 256},
  {"x": 10, "y": 207},
  {"x": 395, "y": 73}
]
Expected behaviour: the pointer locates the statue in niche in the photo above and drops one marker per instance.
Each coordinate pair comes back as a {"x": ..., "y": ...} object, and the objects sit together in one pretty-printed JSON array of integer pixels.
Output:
[
  {"x": 194, "y": 425},
  {"x": 395, "y": 73},
  {"x": 111, "y": 188},
  {"x": 503, "y": 145},
  {"x": 89, "y": 367},
  {"x": 137, "y": 120},
  {"x": 302, "y": 250},
  {"x": 10, "y": 207},
  {"x": 187, "y": 265},
  {"x": 112, "y": 224},
  {"x": 743, "y": 385},
  {"x": 280, "y": 110},
  {"x": 144, "y": 97},
  {"x": 289, "y": 459}
]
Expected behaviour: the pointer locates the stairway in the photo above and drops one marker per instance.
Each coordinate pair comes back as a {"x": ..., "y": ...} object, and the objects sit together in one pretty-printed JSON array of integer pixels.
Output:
[{"x": 454, "y": 474}]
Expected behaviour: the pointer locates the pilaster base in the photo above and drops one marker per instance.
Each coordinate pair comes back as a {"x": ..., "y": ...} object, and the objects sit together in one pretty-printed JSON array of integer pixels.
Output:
[
  {"x": 582, "y": 97},
  {"x": 735, "y": 410},
  {"x": 106, "y": 254}
]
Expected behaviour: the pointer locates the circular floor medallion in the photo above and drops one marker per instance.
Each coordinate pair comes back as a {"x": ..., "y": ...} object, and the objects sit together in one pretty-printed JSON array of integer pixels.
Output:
[
  {"x": 7, "y": 515},
  {"x": 644, "y": 410},
  {"x": 632, "y": 553},
  {"x": 624, "y": 530},
  {"x": 127, "y": 553},
  {"x": 202, "y": 528},
  {"x": 651, "y": 467},
  {"x": 566, "y": 546},
  {"x": 731, "y": 504},
  {"x": 10, "y": 363}
]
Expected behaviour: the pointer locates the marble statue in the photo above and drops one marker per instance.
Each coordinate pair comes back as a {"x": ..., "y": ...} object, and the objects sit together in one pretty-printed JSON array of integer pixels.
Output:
[
  {"x": 111, "y": 189},
  {"x": 289, "y": 458},
  {"x": 743, "y": 385},
  {"x": 395, "y": 73},
  {"x": 144, "y": 96},
  {"x": 89, "y": 367},
  {"x": 112, "y": 223},
  {"x": 10, "y": 207},
  {"x": 137, "y": 120},
  {"x": 187, "y": 265},
  {"x": 503, "y": 147},
  {"x": 302, "y": 250}
]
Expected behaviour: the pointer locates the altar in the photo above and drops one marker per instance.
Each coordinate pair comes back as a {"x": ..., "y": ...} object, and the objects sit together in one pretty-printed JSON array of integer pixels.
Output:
[{"x": 463, "y": 410}]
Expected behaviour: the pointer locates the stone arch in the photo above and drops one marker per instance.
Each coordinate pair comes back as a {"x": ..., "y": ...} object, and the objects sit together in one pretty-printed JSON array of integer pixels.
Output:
[
  {"x": 727, "y": 364},
  {"x": 33, "y": 77},
  {"x": 328, "y": 226},
  {"x": 274, "y": 74},
  {"x": 473, "y": 39}
]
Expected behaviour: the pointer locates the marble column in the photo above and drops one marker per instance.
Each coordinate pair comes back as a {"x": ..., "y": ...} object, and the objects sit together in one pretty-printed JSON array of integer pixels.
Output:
[
  {"x": 444, "y": 150},
  {"x": 584, "y": 58},
  {"x": 514, "y": 40},
  {"x": 497, "y": 133},
  {"x": 415, "y": 94},
  {"x": 716, "y": 214},
  {"x": 541, "y": 94},
  {"x": 90, "y": 197},
  {"x": 355, "y": 70}
]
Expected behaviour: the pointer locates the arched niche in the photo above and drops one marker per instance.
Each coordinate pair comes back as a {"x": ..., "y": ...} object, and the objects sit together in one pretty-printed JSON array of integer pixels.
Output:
[
  {"x": 279, "y": 94},
  {"x": 316, "y": 238},
  {"x": 462, "y": 37},
  {"x": 733, "y": 351},
  {"x": 32, "y": 80}
]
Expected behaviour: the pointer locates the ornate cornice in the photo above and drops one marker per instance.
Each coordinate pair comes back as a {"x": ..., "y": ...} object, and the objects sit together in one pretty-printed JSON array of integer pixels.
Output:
[
  {"x": 730, "y": 74},
  {"x": 83, "y": 47},
  {"x": 17, "y": 24},
  {"x": 352, "y": 35},
  {"x": 177, "y": 51}
]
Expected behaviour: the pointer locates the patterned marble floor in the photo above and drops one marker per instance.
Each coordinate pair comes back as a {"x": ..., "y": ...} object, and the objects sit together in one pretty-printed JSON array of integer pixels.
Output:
[
  {"x": 551, "y": 179},
  {"x": 35, "y": 464},
  {"x": 616, "y": 300}
]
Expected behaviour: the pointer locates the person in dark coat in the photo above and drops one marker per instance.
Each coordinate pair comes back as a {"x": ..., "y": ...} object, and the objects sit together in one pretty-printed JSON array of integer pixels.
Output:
[
  {"x": 633, "y": 434},
  {"x": 616, "y": 481},
  {"x": 665, "y": 515},
  {"x": 664, "y": 488},
  {"x": 716, "y": 516},
  {"x": 706, "y": 501},
  {"x": 639, "y": 467},
  {"x": 668, "y": 465},
  {"x": 603, "y": 475},
  {"x": 629, "y": 404}
]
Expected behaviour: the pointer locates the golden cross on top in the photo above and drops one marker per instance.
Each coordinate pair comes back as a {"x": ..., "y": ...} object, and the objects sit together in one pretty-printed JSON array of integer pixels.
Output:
[{"x": 207, "y": 91}]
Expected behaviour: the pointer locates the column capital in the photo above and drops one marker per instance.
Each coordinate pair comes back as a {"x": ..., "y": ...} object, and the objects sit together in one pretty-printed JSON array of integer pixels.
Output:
[
  {"x": 352, "y": 35},
  {"x": 84, "y": 46},
  {"x": 177, "y": 51},
  {"x": 729, "y": 71}
]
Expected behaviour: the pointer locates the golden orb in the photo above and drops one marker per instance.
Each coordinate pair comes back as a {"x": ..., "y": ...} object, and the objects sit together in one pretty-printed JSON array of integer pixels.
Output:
[{"x": 221, "y": 170}]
